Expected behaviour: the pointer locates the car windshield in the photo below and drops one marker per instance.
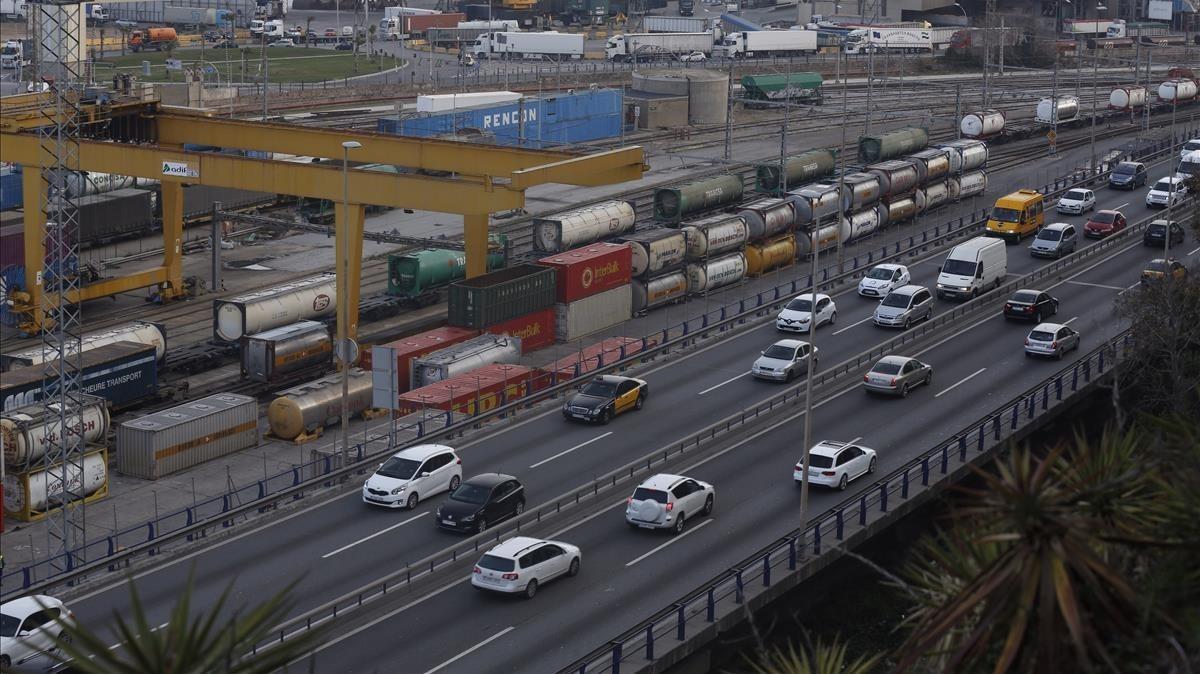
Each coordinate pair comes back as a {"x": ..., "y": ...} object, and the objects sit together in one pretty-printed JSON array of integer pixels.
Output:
[
  {"x": 1050, "y": 234},
  {"x": 497, "y": 563},
  {"x": 1024, "y": 297},
  {"x": 882, "y": 273},
  {"x": 1125, "y": 170},
  {"x": 1155, "y": 228},
  {"x": 9, "y": 625},
  {"x": 644, "y": 494},
  {"x": 819, "y": 461},
  {"x": 1041, "y": 336},
  {"x": 800, "y": 304},
  {"x": 959, "y": 267},
  {"x": 471, "y": 493},
  {"x": 1157, "y": 265},
  {"x": 895, "y": 300},
  {"x": 1006, "y": 214},
  {"x": 399, "y": 468},
  {"x": 886, "y": 368},
  {"x": 780, "y": 352},
  {"x": 1075, "y": 195},
  {"x": 1163, "y": 185},
  {"x": 1104, "y": 218},
  {"x": 599, "y": 388}
]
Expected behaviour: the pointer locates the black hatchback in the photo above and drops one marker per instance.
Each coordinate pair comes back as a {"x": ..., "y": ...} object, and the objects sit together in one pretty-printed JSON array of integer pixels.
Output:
[
  {"x": 1158, "y": 229},
  {"x": 1030, "y": 305},
  {"x": 480, "y": 502}
]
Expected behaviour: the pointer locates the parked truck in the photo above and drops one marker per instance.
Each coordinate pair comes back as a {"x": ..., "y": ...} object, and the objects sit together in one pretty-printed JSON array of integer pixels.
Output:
[
  {"x": 767, "y": 43},
  {"x": 549, "y": 44},
  {"x": 634, "y": 47},
  {"x": 15, "y": 54},
  {"x": 397, "y": 27},
  {"x": 157, "y": 39},
  {"x": 95, "y": 12},
  {"x": 687, "y": 7},
  {"x": 13, "y": 10},
  {"x": 197, "y": 16},
  {"x": 676, "y": 24},
  {"x": 879, "y": 40}
]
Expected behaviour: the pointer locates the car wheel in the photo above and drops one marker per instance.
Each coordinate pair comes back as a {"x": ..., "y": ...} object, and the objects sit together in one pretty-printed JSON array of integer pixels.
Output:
[
  {"x": 606, "y": 416},
  {"x": 411, "y": 504},
  {"x": 680, "y": 524},
  {"x": 520, "y": 509},
  {"x": 833, "y": 318},
  {"x": 531, "y": 589},
  {"x": 5, "y": 662},
  {"x": 454, "y": 482},
  {"x": 1037, "y": 317},
  {"x": 907, "y": 323},
  {"x": 843, "y": 482},
  {"x": 904, "y": 390},
  {"x": 1059, "y": 353},
  {"x": 573, "y": 570},
  {"x": 788, "y": 375},
  {"x": 929, "y": 379},
  {"x": 641, "y": 400},
  {"x": 708, "y": 505},
  {"x": 481, "y": 526},
  {"x": 871, "y": 466}
]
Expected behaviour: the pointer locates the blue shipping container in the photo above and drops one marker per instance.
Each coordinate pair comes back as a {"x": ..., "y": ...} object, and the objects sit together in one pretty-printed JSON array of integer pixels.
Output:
[
  {"x": 12, "y": 278},
  {"x": 538, "y": 122},
  {"x": 122, "y": 373},
  {"x": 11, "y": 195}
]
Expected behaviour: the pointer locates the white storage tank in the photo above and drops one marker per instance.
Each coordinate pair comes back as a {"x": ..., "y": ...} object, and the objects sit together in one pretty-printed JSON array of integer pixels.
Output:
[
  {"x": 187, "y": 435},
  {"x": 28, "y": 432},
  {"x": 270, "y": 355},
  {"x": 932, "y": 164},
  {"x": 931, "y": 196},
  {"x": 658, "y": 291},
  {"x": 966, "y": 155},
  {"x": 582, "y": 226},
  {"x": 982, "y": 123},
  {"x": 1067, "y": 107},
  {"x": 971, "y": 184},
  {"x": 463, "y": 357},
  {"x": 142, "y": 332},
  {"x": 1127, "y": 98},
  {"x": 861, "y": 190},
  {"x": 861, "y": 224},
  {"x": 896, "y": 176},
  {"x": 28, "y": 496},
  {"x": 827, "y": 237},
  {"x": 259, "y": 311},
  {"x": 716, "y": 272},
  {"x": 301, "y": 412},
  {"x": 817, "y": 201},
  {"x": 715, "y": 235},
  {"x": 1179, "y": 90},
  {"x": 897, "y": 210},
  {"x": 655, "y": 250},
  {"x": 768, "y": 217},
  {"x": 592, "y": 314}
]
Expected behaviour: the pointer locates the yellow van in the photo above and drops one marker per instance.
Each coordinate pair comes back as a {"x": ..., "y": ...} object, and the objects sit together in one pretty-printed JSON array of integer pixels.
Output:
[{"x": 1016, "y": 215}]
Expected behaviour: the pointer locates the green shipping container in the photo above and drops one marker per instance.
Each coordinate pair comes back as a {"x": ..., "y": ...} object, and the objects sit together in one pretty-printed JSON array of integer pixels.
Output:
[
  {"x": 803, "y": 87},
  {"x": 799, "y": 169},
  {"x": 502, "y": 295},
  {"x": 673, "y": 204},
  {"x": 414, "y": 274},
  {"x": 892, "y": 144}
]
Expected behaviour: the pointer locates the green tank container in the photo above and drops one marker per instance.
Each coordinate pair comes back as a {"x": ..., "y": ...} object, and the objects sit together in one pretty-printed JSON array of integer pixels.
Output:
[
  {"x": 799, "y": 169},
  {"x": 414, "y": 274},
  {"x": 892, "y": 144},
  {"x": 802, "y": 87},
  {"x": 673, "y": 204}
]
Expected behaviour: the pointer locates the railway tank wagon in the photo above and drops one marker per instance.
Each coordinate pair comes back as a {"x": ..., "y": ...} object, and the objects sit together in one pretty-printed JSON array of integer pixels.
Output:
[
  {"x": 982, "y": 124},
  {"x": 677, "y": 203},
  {"x": 798, "y": 170},
  {"x": 1127, "y": 98},
  {"x": 418, "y": 275},
  {"x": 307, "y": 299},
  {"x": 302, "y": 413},
  {"x": 892, "y": 145}
]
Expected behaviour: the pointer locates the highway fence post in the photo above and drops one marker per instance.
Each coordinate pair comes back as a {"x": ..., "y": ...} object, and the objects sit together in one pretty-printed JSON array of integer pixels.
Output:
[
  {"x": 792, "y": 553},
  {"x": 840, "y": 525},
  {"x": 817, "y": 538},
  {"x": 680, "y": 622},
  {"x": 924, "y": 471},
  {"x": 1014, "y": 417},
  {"x": 766, "y": 571},
  {"x": 738, "y": 597},
  {"x": 616, "y": 657},
  {"x": 945, "y": 460},
  {"x": 1045, "y": 397},
  {"x": 962, "y": 448},
  {"x": 904, "y": 484},
  {"x": 712, "y": 591},
  {"x": 649, "y": 642},
  {"x": 883, "y": 494},
  {"x": 862, "y": 511}
]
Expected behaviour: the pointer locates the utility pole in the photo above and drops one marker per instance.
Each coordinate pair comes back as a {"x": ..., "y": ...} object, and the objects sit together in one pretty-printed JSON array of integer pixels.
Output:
[
  {"x": 958, "y": 111},
  {"x": 1092, "y": 140},
  {"x": 729, "y": 113},
  {"x": 343, "y": 304},
  {"x": 1054, "y": 83}
]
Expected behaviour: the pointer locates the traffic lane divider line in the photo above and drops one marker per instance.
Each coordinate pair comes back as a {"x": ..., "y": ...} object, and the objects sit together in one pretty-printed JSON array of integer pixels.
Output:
[
  {"x": 1095, "y": 285},
  {"x": 853, "y": 325},
  {"x": 674, "y": 539},
  {"x": 960, "y": 382},
  {"x": 727, "y": 381},
  {"x": 568, "y": 451},
  {"x": 381, "y": 532},
  {"x": 472, "y": 649}
]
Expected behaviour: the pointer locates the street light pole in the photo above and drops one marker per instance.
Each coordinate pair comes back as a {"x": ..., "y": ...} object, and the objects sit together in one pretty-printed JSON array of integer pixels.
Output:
[
  {"x": 1092, "y": 140},
  {"x": 343, "y": 298}
]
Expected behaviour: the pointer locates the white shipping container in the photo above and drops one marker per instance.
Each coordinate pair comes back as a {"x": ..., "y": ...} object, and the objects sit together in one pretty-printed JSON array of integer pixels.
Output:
[
  {"x": 445, "y": 102},
  {"x": 593, "y": 314},
  {"x": 715, "y": 235},
  {"x": 306, "y": 299},
  {"x": 37, "y": 491},
  {"x": 178, "y": 438},
  {"x": 27, "y": 432},
  {"x": 676, "y": 24},
  {"x": 715, "y": 273},
  {"x": 658, "y": 291},
  {"x": 463, "y": 357},
  {"x": 141, "y": 332},
  {"x": 583, "y": 226},
  {"x": 656, "y": 249}
]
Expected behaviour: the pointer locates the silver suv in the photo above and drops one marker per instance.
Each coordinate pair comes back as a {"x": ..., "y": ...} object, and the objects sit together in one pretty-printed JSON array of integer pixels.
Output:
[
  {"x": 904, "y": 306},
  {"x": 1054, "y": 240},
  {"x": 666, "y": 501}
]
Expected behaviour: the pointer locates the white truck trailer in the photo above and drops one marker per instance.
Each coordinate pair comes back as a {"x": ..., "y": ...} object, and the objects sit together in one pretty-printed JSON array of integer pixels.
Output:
[
  {"x": 15, "y": 10},
  {"x": 676, "y": 24},
  {"x": 549, "y": 44},
  {"x": 767, "y": 43},
  {"x": 650, "y": 46},
  {"x": 879, "y": 40},
  {"x": 15, "y": 54}
]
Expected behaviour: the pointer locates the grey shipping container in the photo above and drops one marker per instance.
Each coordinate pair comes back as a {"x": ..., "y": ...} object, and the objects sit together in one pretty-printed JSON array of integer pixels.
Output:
[
  {"x": 463, "y": 357},
  {"x": 175, "y": 439},
  {"x": 114, "y": 215},
  {"x": 502, "y": 295},
  {"x": 593, "y": 314},
  {"x": 274, "y": 353},
  {"x": 198, "y": 199}
]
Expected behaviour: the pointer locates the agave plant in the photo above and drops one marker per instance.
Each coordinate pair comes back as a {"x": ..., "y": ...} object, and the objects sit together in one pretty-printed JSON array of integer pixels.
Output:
[{"x": 824, "y": 658}]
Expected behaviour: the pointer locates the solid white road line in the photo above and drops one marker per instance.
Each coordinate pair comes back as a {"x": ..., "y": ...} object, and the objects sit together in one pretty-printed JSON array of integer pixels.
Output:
[
  {"x": 1117, "y": 208},
  {"x": 472, "y": 649},
  {"x": 381, "y": 532},
  {"x": 713, "y": 388},
  {"x": 1095, "y": 285},
  {"x": 851, "y": 442},
  {"x": 1194, "y": 252},
  {"x": 853, "y": 325},
  {"x": 1068, "y": 321},
  {"x": 960, "y": 382},
  {"x": 568, "y": 451},
  {"x": 670, "y": 542},
  {"x": 122, "y": 643}
]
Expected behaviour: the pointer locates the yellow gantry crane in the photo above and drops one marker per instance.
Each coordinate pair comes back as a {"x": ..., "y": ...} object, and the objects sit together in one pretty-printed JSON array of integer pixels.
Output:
[{"x": 148, "y": 143}]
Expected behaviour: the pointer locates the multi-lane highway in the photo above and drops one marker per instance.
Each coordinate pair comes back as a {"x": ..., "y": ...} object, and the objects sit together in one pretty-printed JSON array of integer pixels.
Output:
[{"x": 626, "y": 574}]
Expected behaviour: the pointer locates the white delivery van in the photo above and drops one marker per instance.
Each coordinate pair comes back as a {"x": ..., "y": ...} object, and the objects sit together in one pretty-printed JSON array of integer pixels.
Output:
[{"x": 972, "y": 268}]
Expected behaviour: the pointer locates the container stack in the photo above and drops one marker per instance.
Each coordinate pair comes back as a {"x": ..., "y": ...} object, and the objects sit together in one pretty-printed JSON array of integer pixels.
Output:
[
  {"x": 968, "y": 159},
  {"x": 452, "y": 361},
  {"x": 391, "y": 363},
  {"x": 593, "y": 286},
  {"x": 166, "y": 442},
  {"x": 582, "y": 226},
  {"x": 27, "y": 433},
  {"x": 479, "y": 390},
  {"x": 509, "y": 301}
]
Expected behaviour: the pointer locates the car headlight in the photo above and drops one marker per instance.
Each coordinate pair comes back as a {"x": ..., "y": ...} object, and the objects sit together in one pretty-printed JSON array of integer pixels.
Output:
[
  {"x": 467, "y": 518},
  {"x": 398, "y": 490},
  {"x": 439, "y": 512}
]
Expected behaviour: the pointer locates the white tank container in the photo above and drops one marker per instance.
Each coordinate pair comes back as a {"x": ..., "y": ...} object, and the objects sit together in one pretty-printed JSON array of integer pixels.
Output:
[
  {"x": 656, "y": 292},
  {"x": 582, "y": 226},
  {"x": 828, "y": 237},
  {"x": 966, "y": 155},
  {"x": 141, "y": 332},
  {"x": 1177, "y": 90},
  {"x": 982, "y": 123},
  {"x": 656, "y": 249},
  {"x": 816, "y": 201},
  {"x": 713, "y": 236},
  {"x": 861, "y": 224},
  {"x": 861, "y": 190},
  {"x": 932, "y": 164},
  {"x": 1068, "y": 109},
  {"x": 27, "y": 432},
  {"x": 715, "y": 273},
  {"x": 1127, "y": 98},
  {"x": 463, "y": 357},
  {"x": 317, "y": 404},
  {"x": 932, "y": 196},
  {"x": 971, "y": 184},
  {"x": 897, "y": 210},
  {"x": 252, "y": 313},
  {"x": 40, "y": 490},
  {"x": 896, "y": 176},
  {"x": 768, "y": 217}
]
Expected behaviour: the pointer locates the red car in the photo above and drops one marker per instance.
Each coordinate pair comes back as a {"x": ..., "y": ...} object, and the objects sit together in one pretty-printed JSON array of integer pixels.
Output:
[
  {"x": 1103, "y": 223},
  {"x": 330, "y": 32}
]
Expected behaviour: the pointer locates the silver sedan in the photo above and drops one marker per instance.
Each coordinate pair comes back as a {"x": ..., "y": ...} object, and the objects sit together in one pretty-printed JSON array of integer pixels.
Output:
[{"x": 897, "y": 375}]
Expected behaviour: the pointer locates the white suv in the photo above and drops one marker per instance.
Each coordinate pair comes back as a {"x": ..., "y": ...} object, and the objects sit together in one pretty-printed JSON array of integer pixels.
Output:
[
  {"x": 30, "y": 625},
  {"x": 666, "y": 501},
  {"x": 521, "y": 564},
  {"x": 835, "y": 464},
  {"x": 412, "y": 474}
]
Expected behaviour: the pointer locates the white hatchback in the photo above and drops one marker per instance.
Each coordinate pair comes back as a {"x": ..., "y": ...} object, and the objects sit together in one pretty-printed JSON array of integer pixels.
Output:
[
  {"x": 522, "y": 565},
  {"x": 835, "y": 464},
  {"x": 1076, "y": 202},
  {"x": 797, "y": 316},
  {"x": 28, "y": 627},
  {"x": 1051, "y": 340},
  {"x": 412, "y": 474},
  {"x": 667, "y": 501},
  {"x": 883, "y": 279}
]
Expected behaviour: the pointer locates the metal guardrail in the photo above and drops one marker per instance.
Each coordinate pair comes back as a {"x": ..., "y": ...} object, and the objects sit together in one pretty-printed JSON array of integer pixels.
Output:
[
  {"x": 220, "y": 512},
  {"x": 639, "y": 646}
]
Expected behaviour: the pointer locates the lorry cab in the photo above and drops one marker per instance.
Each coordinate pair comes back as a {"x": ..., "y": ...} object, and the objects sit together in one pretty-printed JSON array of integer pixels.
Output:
[
  {"x": 1189, "y": 166},
  {"x": 1016, "y": 215}
]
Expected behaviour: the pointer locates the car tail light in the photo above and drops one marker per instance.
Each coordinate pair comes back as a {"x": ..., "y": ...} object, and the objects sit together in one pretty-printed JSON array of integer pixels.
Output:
[
  {"x": 478, "y": 570},
  {"x": 828, "y": 473},
  {"x": 670, "y": 507},
  {"x": 866, "y": 377},
  {"x": 1054, "y": 344},
  {"x": 1026, "y": 341},
  {"x": 510, "y": 576},
  {"x": 1028, "y": 310},
  {"x": 628, "y": 500},
  {"x": 459, "y": 462}
]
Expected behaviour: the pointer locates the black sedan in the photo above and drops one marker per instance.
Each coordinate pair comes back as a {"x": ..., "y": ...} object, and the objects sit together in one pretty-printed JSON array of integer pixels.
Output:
[
  {"x": 1030, "y": 305},
  {"x": 1157, "y": 229},
  {"x": 481, "y": 502},
  {"x": 605, "y": 397}
]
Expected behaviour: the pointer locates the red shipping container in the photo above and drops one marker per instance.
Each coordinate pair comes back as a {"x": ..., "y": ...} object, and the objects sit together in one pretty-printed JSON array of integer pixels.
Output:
[
  {"x": 404, "y": 350},
  {"x": 594, "y": 356},
  {"x": 420, "y": 23},
  {"x": 536, "y": 330},
  {"x": 479, "y": 390},
  {"x": 583, "y": 272}
]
